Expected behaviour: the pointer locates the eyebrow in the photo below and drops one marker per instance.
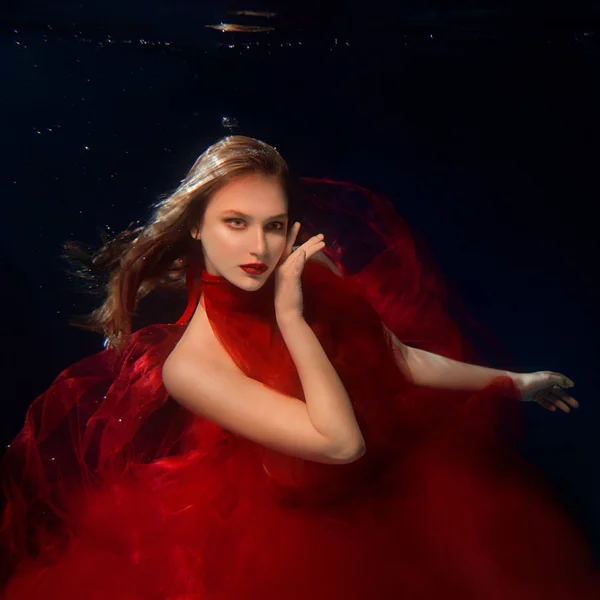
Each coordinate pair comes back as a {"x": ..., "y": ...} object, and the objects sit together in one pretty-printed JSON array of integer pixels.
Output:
[{"x": 241, "y": 214}]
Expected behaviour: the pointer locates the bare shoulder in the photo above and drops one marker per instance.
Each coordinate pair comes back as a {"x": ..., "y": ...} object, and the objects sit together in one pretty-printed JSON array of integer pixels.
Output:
[{"x": 200, "y": 344}]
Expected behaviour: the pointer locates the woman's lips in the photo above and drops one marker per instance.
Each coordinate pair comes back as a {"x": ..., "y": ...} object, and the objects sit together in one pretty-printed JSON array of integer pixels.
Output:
[{"x": 254, "y": 270}]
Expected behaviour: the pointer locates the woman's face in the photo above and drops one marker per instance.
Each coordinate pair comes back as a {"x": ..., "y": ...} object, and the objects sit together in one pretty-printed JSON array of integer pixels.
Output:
[{"x": 245, "y": 222}]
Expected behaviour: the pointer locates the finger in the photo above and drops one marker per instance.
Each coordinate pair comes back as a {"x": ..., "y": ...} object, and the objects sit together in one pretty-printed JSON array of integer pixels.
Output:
[
  {"x": 561, "y": 380},
  {"x": 291, "y": 239},
  {"x": 542, "y": 399},
  {"x": 303, "y": 253},
  {"x": 557, "y": 402},
  {"x": 558, "y": 391},
  {"x": 299, "y": 264},
  {"x": 312, "y": 245},
  {"x": 547, "y": 405},
  {"x": 313, "y": 240},
  {"x": 314, "y": 249}
]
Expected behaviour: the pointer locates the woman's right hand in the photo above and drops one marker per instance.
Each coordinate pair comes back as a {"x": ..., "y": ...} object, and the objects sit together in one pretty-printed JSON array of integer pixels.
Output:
[{"x": 288, "y": 287}]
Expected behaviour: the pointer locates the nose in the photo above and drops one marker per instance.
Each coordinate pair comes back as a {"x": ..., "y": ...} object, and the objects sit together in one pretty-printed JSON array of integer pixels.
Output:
[{"x": 260, "y": 245}]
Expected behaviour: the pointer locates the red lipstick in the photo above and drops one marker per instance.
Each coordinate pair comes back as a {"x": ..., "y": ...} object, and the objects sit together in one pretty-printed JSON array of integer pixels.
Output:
[{"x": 254, "y": 268}]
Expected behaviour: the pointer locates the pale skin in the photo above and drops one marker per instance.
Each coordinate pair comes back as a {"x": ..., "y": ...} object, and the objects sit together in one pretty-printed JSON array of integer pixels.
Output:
[{"x": 322, "y": 428}]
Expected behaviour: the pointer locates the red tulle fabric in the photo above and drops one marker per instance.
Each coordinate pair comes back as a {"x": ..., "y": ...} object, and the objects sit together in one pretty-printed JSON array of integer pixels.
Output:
[{"x": 113, "y": 490}]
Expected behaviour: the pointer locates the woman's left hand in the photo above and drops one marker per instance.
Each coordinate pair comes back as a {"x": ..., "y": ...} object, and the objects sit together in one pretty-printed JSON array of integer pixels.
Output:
[{"x": 547, "y": 389}]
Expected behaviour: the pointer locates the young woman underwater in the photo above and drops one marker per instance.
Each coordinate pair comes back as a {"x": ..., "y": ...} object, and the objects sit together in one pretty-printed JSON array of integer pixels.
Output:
[{"x": 309, "y": 428}]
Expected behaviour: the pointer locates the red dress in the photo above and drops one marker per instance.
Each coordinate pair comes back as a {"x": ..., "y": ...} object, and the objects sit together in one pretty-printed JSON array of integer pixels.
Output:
[{"x": 113, "y": 490}]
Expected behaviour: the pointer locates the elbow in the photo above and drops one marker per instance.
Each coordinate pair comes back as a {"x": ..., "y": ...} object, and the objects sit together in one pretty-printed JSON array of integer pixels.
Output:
[{"x": 350, "y": 453}]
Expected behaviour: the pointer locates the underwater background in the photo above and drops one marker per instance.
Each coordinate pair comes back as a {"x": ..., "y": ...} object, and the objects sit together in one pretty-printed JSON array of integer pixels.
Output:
[{"x": 480, "y": 123}]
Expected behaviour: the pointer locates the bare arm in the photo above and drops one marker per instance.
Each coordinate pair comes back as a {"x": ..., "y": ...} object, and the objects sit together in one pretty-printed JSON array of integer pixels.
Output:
[
  {"x": 222, "y": 393},
  {"x": 432, "y": 370},
  {"x": 438, "y": 372},
  {"x": 426, "y": 369},
  {"x": 328, "y": 404}
]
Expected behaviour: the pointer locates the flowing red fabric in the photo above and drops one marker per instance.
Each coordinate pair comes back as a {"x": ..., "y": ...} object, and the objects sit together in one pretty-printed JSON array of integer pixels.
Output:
[{"x": 113, "y": 490}]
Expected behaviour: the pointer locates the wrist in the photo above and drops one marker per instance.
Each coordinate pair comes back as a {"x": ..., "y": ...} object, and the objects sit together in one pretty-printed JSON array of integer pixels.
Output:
[
  {"x": 288, "y": 316},
  {"x": 289, "y": 320},
  {"x": 518, "y": 380}
]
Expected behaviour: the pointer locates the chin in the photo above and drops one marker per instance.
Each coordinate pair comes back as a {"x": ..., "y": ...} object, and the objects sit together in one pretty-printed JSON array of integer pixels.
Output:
[{"x": 253, "y": 282}]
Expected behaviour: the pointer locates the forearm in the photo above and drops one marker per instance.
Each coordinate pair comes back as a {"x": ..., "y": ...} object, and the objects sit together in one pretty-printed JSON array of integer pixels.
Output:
[
  {"x": 327, "y": 401},
  {"x": 438, "y": 372}
]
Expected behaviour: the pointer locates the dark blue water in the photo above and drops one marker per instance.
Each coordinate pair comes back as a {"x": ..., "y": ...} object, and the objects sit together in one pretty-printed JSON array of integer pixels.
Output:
[{"x": 481, "y": 125}]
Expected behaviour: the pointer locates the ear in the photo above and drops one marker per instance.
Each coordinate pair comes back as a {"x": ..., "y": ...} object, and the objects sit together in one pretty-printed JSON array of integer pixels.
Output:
[{"x": 195, "y": 233}]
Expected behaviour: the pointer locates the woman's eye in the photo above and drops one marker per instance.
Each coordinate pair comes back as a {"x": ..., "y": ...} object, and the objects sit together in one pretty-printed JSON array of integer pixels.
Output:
[{"x": 279, "y": 223}]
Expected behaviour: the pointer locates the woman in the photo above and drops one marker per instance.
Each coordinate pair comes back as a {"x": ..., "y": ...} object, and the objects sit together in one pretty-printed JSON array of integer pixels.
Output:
[{"x": 279, "y": 441}]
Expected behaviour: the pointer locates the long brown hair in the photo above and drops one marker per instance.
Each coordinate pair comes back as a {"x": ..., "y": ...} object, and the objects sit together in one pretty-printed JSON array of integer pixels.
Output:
[{"x": 157, "y": 254}]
